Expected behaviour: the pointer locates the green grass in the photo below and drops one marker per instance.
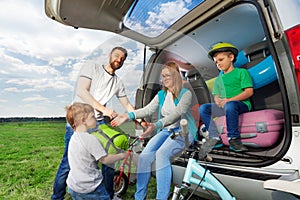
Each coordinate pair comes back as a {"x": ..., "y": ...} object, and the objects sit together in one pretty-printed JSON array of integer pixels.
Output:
[{"x": 30, "y": 156}]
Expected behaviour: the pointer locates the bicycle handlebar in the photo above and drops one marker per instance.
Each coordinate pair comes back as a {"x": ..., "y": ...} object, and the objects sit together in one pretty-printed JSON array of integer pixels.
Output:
[{"x": 184, "y": 127}]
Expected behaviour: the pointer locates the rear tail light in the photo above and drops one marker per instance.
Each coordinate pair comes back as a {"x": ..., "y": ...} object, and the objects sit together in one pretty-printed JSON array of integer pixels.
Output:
[{"x": 293, "y": 36}]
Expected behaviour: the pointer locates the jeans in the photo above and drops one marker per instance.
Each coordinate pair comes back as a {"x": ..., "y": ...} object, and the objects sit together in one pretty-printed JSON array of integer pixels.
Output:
[
  {"x": 108, "y": 179},
  {"x": 59, "y": 188},
  {"x": 160, "y": 148},
  {"x": 232, "y": 110},
  {"x": 99, "y": 194}
]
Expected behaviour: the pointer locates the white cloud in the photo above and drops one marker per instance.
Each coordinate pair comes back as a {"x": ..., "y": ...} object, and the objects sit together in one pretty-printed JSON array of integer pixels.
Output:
[
  {"x": 3, "y": 101},
  {"x": 12, "y": 89},
  {"x": 36, "y": 98}
]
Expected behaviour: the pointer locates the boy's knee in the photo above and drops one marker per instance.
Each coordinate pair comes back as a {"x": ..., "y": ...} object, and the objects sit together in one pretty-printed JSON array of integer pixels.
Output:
[
  {"x": 204, "y": 109},
  {"x": 230, "y": 106}
]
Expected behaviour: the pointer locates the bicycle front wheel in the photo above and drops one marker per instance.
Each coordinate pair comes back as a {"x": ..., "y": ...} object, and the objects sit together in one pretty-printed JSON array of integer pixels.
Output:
[{"x": 121, "y": 186}]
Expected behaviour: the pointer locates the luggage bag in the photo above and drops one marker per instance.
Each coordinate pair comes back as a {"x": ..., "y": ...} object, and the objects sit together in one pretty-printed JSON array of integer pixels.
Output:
[{"x": 258, "y": 128}]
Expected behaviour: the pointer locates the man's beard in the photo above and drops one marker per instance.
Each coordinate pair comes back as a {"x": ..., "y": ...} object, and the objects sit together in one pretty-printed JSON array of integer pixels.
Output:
[{"x": 114, "y": 66}]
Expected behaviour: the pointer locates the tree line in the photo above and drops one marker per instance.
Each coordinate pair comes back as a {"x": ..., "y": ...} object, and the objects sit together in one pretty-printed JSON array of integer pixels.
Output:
[{"x": 31, "y": 119}]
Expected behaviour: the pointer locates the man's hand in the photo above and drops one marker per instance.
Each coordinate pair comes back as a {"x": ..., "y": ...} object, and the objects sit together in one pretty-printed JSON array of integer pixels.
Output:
[{"x": 110, "y": 113}]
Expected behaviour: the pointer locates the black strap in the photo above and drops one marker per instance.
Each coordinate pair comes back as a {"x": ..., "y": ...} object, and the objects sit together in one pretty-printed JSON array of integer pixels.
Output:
[{"x": 110, "y": 141}]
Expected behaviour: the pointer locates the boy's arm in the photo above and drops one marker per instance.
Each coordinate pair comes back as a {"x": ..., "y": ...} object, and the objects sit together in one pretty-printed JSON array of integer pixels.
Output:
[
  {"x": 218, "y": 100},
  {"x": 112, "y": 158},
  {"x": 247, "y": 93}
]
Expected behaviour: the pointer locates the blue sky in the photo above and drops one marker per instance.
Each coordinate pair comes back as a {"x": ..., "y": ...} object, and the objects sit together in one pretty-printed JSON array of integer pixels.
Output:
[
  {"x": 152, "y": 17},
  {"x": 40, "y": 58}
]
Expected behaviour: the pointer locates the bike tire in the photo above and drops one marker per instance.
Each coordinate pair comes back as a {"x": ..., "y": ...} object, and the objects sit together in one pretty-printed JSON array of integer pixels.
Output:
[{"x": 124, "y": 183}]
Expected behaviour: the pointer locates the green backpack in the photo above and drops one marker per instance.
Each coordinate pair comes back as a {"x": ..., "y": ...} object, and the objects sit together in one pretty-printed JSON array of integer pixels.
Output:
[{"x": 113, "y": 141}]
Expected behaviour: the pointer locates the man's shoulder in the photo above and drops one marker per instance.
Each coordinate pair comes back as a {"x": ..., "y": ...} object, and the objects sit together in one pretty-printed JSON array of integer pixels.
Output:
[{"x": 93, "y": 65}]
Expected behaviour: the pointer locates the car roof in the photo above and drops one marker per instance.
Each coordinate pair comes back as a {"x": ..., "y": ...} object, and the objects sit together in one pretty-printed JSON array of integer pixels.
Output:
[
  {"x": 186, "y": 40},
  {"x": 109, "y": 15}
]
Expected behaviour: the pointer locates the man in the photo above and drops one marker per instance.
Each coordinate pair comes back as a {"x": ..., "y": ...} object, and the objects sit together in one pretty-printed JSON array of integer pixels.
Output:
[{"x": 96, "y": 85}]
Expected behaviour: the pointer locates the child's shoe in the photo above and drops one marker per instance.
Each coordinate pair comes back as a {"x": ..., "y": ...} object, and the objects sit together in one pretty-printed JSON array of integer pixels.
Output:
[{"x": 236, "y": 145}]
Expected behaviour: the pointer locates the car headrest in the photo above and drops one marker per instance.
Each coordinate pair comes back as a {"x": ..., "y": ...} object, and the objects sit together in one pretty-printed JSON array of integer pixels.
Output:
[
  {"x": 257, "y": 51},
  {"x": 192, "y": 74}
]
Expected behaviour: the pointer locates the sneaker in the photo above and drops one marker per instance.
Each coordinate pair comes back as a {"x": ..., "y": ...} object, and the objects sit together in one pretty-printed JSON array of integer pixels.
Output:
[
  {"x": 212, "y": 143},
  {"x": 236, "y": 145}
]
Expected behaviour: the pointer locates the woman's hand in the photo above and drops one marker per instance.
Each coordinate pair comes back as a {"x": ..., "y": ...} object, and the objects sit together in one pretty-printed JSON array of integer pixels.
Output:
[
  {"x": 151, "y": 127},
  {"x": 119, "y": 119}
]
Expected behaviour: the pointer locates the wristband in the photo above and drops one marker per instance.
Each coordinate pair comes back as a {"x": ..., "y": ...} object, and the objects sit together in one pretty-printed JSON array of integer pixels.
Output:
[
  {"x": 158, "y": 125},
  {"x": 131, "y": 116}
]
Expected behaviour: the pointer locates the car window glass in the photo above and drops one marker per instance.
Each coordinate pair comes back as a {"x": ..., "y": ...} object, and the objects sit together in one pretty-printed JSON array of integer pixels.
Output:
[{"x": 151, "y": 18}]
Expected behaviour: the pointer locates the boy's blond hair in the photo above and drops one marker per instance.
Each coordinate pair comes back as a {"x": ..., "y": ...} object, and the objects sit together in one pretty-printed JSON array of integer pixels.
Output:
[{"x": 77, "y": 112}]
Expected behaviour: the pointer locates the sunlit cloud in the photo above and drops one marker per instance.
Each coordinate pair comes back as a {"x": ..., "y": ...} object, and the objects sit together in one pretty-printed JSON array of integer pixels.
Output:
[
  {"x": 36, "y": 98},
  {"x": 12, "y": 89}
]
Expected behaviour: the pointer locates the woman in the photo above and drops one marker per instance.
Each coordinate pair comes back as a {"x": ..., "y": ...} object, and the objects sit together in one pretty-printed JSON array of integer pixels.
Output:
[{"x": 173, "y": 103}]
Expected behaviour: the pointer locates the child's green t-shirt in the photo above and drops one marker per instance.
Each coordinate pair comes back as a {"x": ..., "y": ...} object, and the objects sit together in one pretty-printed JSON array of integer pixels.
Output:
[{"x": 233, "y": 83}]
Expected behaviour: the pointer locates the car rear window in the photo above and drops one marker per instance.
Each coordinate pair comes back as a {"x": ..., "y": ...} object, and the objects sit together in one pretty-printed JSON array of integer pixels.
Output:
[{"x": 151, "y": 18}]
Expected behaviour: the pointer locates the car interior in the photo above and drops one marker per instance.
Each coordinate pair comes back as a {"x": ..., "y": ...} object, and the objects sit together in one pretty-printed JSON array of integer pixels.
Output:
[{"x": 242, "y": 26}]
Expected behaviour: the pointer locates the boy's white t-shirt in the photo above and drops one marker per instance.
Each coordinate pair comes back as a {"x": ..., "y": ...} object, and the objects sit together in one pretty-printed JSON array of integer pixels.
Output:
[
  {"x": 103, "y": 86},
  {"x": 84, "y": 152}
]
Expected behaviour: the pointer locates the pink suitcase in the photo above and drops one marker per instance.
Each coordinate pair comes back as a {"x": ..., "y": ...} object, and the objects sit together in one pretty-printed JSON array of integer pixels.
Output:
[{"x": 258, "y": 128}]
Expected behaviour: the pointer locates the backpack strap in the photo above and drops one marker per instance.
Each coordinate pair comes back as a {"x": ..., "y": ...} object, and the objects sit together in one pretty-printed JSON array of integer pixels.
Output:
[{"x": 110, "y": 141}]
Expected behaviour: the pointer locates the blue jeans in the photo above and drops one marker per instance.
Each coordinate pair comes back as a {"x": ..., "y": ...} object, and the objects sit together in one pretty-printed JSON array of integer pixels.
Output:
[
  {"x": 108, "y": 179},
  {"x": 60, "y": 185},
  {"x": 232, "y": 110},
  {"x": 160, "y": 148},
  {"x": 99, "y": 194}
]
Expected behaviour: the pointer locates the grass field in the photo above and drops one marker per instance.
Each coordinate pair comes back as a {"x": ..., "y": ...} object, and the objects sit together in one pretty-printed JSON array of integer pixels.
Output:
[{"x": 30, "y": 156}]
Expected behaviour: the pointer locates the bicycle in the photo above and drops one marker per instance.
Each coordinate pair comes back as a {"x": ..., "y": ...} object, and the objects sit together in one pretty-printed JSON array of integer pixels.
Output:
[
  {"x": 207, "y": 180},
  {"x": 121, "y": 179}
]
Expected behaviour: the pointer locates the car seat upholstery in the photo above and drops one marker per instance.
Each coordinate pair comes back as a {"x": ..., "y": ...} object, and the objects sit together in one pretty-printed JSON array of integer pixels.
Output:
[
  {"x": 199, "y": 86},
  {"x": 267, "y": 96}
]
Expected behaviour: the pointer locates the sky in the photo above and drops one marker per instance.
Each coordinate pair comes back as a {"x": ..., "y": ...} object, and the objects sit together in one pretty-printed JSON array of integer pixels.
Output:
[{"x": 40, "y": 58}]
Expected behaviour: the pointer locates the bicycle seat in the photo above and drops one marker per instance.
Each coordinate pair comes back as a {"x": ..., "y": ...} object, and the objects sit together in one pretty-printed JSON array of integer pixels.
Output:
[{"x": 283, "y": 185}]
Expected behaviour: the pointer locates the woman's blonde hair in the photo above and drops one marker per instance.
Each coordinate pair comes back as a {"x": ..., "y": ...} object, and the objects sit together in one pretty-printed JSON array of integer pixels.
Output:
[
  {"x": 77, "y": 112},
  {"x": 173, "y": 67}
]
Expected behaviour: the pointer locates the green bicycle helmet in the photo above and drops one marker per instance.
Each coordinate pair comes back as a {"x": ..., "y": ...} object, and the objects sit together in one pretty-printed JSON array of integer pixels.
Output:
[{"x": 223, "y": 47}]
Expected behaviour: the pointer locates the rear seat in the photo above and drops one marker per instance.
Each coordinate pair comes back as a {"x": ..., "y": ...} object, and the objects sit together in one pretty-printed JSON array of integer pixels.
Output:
[
  {"x": 265, "y": 96},
  {"x": 199, "y": 86}
]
